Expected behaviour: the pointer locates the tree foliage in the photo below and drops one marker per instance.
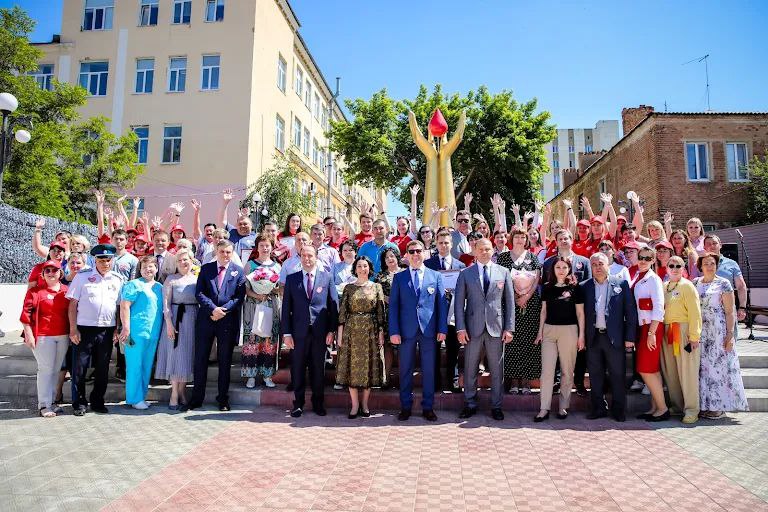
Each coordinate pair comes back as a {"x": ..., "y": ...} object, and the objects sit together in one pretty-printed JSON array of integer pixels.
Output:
[
  {"x": 757, "y": 191},
  {"x": 503, "y": 144},
  {"x": 279, "y": 192},
  {"x": 48, "y": 175}
]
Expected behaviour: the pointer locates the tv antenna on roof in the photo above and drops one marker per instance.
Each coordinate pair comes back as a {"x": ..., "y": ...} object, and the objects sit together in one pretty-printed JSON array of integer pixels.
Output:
[{"x": 706, "y": 73}]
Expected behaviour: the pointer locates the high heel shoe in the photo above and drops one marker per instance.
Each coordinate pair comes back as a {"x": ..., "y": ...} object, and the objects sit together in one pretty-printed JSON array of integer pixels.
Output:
[
  {"x": 661, "y": 417},
  {"x": 539, "y": 419},
  {"x": 353, "y": 416},
  {"x": 365, "y": 414}
]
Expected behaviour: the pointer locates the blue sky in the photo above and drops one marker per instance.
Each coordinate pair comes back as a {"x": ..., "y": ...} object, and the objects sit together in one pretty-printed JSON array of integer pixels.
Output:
[{"x": 583, "y": 61}]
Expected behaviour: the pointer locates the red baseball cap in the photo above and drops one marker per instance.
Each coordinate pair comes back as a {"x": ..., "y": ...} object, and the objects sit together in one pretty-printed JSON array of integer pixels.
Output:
[
  {"x": 596, "y": 218},
  {"x": 141, "y": 237},
  {"x": 633, "y": 245},
  {"x": 178, "y": 227},
  {"x": 583, "y": 222},
  {"x": 57, "y": 244},
  {"x": 621, "y": 218},
  {"x": 53, "y": 264},
  {"x": 131, "y": 230},
  {"x": 664, "y": 244}
]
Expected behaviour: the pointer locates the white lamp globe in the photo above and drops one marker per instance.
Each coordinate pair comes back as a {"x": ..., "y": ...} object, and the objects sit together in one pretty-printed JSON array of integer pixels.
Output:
[
  {"x": 8, "y": 102},
  {"x": 23, "y": 136}
]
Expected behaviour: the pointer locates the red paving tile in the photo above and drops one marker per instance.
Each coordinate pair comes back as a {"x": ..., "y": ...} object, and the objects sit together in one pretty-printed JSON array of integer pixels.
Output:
[{"x": 388, "y": 467}]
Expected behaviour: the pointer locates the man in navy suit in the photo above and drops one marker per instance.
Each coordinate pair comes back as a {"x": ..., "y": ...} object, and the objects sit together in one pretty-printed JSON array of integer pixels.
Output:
[
  {"x": 445, "y": 261},
  {"x": 610, "y": 325},
  {"x": 308, "y": 322},
  {"x": 220, "y": 292},
  {"x": 418, "y": 315}
]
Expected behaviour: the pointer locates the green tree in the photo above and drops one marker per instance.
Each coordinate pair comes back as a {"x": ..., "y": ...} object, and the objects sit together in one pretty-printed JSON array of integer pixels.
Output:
[
  {"x": 279, "y": 193},
  {"x": 757, "y": 191},
  {"x": 503, "y": 144},
  {"x": 48, "y": 175}
]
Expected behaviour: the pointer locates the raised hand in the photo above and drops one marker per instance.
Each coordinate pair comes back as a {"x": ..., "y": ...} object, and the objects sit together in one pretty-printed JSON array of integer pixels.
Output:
[
  {"x": 108, "y": 212},
  {"x": 364, "y": 206},
  {"x": 538, "y": 205},
  {"x": 451, "y": 211},
  {"x": 526, "y": 217},
  {"x": 516, "y": 208},
  {"x": 668, "y": 217},
  {"x": 226, "y": 195},
  {"x": 244, "y": 212},
  {"x": 632, "y": 196},
  {"x": 121, "y": 199},
  {"x": 567, "y": 203},
  {"x": 156, "y": 221},
  {"x": 606, "y": 197},
  {"x": 177, "y": 207},
  {"x": 40, "y": 223},
  {"x": 467, "y": 200},
  {"x": 415, "y": 190},
  {"x": 548, "y": 209},
  {"x": 136, "y": 202},
  {"x": 585, "y": 203},
  {"x": 99, "y": 196},
  {"x": 195, "y": 204},
  {"x": 479, "y": 217},
  {"x": 434, "y": 208},
  {"x": 144, "y": 218},
  {"x": 119, "y": 222}
]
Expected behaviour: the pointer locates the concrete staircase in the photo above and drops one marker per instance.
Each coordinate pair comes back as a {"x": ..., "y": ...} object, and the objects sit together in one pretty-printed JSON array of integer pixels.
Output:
[{"x": 18, "y": 383}]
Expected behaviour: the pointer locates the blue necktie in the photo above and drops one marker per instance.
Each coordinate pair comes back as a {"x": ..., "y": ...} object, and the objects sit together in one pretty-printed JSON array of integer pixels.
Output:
[
  {"x": 486, "y": 279},
  {"x": 416, "y": 283}
]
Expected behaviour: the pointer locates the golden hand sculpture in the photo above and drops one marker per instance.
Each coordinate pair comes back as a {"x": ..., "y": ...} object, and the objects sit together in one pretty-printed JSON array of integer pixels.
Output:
[{"x": 437, "y": 149}]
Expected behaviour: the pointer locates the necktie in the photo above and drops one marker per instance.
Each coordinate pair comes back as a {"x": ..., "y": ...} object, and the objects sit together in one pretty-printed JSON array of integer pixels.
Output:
[
  {"x": 159, "y": 265},
  {"x": 416, "y": 283},
  {"x": 444, "y": 263},
  {"x": 486, "y": 279},
  {"x": 220, "y": 278},
  {"x": 309, "y": 286}
]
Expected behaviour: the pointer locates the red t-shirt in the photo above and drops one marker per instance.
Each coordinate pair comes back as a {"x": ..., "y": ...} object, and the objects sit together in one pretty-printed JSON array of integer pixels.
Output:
[
  {"x": 105, "y": 239},
  {"x": 581, "y": 247},
  {"x": 336, "y": 245},
  {"x": 45, "y": 310},
  {"x": 594, "y": 245},
  {"x": 467, "y": 259},
  {"x": 362, "y": 238},
  {"x": 551, "y": 248},
  {"x": 401, "y": 241}
]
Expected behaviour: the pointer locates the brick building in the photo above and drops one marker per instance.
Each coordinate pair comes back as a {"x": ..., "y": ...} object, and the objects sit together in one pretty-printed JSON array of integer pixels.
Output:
[{"x": 694, "y": 164}]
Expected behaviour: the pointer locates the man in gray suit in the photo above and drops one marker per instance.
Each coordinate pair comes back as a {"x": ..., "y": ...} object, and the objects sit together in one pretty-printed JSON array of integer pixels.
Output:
[{"x": 485, "y": 317}]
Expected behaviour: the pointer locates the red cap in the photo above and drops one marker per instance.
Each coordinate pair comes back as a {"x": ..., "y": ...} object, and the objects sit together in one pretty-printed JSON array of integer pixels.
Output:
[
  {"x": 621, "y": 218},
  {"x": 53, "y": 264},
  {"x": 596, "y": 218},
  {"x": 633, "y": 245},
  {"x": 141, "y": 237},
  {"x": 57, "y": 244},
  {"x": 664, "y": 244},
  {"x": 583, "y": 222},
  {"x": 131, "y": 230},
  {"x": 178, "y": 227}
]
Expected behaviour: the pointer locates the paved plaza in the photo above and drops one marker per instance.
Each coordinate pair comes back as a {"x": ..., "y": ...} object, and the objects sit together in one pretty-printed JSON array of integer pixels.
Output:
[{"x": 265, "y": 460}]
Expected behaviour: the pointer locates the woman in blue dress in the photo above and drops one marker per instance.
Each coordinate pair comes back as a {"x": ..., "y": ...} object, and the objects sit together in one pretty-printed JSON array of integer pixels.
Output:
[{"x": 141, "y": 316}]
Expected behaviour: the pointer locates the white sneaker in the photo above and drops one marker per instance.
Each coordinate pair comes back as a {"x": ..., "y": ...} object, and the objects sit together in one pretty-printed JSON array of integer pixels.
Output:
[
  {"x": 268, "y": 382},
  {"x": 251, "y": 383},
  {"x": 338, "y": 386},
  {"x": 636, "y": 386},
  {"x": 645, "y": 390},
  {"x": 141, "y": 405}
]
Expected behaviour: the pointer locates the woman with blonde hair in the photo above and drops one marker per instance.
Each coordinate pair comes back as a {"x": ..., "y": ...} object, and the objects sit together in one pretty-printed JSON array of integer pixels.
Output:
[
  {"x": 695, "y": 231},
  {"x": 655, "y": 234},
  {"x": 681, "y": 246}
]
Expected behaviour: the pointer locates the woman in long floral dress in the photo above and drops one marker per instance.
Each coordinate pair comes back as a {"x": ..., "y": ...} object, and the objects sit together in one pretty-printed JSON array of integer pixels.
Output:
[
  {"x": 720, "y": 386},
  {"x": 259, "y": 352}
]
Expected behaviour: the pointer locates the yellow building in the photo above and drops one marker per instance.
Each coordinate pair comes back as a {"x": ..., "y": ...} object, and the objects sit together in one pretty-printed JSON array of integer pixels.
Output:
[{"x": 214, "y": 89}]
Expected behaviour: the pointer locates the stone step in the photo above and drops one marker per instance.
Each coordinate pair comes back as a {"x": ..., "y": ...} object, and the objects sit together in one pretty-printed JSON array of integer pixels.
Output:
[{"x": 755, "y": 378}]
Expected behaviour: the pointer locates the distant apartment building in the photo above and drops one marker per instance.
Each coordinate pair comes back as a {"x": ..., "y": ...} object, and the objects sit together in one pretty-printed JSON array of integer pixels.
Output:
[
  {"x": 214, "y": 89},
  {"x": 563, "y": 152}
]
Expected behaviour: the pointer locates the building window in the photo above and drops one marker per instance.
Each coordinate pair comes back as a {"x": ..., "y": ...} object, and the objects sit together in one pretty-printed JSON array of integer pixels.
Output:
[
  {"x": 142, "y": 145},
  {"x": 708, "y": 228},
  {"x": 298, "y": 84},
  {"x": 317, "y": 107},
  {"x": 602, "y": 189},
  {"x": 321, "y": 161},
  {"x": 697, "y": 161},
  {"x": 282, "y": 73},
  {"x": 279, "y": 133},
  {"x": 88, "y": 157},
  {"x": 570, "y": 164},
  {"x": 177, "y": 75},
  {"x": 182, "y": 11},
  {"x": 305, "y": 142},
  {"x": 145, "y": 75},
  {"x": 555, "y": 149},
  {"x": 98, "y": 14},
  {"x": 172, "y": 144},
  {"x": 43, "y": 76},
  {"x": 556, "y": 164},
  {"x": 571, "y": 149},
  {"x": 296, "y": 132},
  {"x": 148, "y": 13},
  {"x": 736, "y": 158},
  {"x": 557, "y": 189},
  {"x": 211, "y": 70},
  {"x": 308, "y": 96},
  {"x": 588, "y": 148},
  {"x": 214, "y": 10},
  {"x": 93, "y": 77},
  {"x": 324, "y": 116},
  {"x": 315, "y": 152}
]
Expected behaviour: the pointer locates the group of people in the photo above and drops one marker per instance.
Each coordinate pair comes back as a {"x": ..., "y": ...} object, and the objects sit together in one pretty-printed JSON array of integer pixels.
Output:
[{"x": 545, "y": 299}]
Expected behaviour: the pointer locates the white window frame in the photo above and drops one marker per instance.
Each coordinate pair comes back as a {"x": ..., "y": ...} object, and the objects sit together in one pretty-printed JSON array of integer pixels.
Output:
[
  {"x": 149, "y": 6},
  {"x": 215, "y": 4},
  {"x": 210, "y": 69},
  {"x": 315, "y": 152},
  {"x": 308, "y": 95},
  {"x": 144, "y": 81},
  {"x": 282, "y": 73},
  {"x": 279, "y": 133},
  {"x": 298, "y": 82},
  {"x": 297, "y": 132},
  {"x": 175, "y": 75},
  {"x": 181, "y": 21},
  {"x": 697, "y": 144},
  {"x": 138, "y": 144},
  {"x": 735, "y": 155},
  {"x": 107, "y": 15},
  {"x": 173, "y": 140},
  {"x": 43, "y": 79},
  {"x": 324, "y": 117},
  {"x": 306, "y": 142},
  {"x": 101, "y": 75},
  {"x": 317, "y": 107}
]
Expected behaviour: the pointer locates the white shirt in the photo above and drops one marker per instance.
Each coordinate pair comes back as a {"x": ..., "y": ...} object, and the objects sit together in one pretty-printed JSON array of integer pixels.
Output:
[
  {"x": 650, "y": 286},
  {"x": 291, "y": 266},
  {"x": 619, "y": 271},
  {"x": 480, "y": 273},
  {"x": 420, "y": 272},
  {"x": 211, "y": 256},
  {"x": 97, "y": 297},
  {"x": 601, "y": 303},
  {"x": 445, "y": 262}
]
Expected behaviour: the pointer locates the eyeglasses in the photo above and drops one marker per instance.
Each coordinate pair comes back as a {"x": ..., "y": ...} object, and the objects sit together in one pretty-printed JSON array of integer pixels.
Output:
[
  {"x": 462, "y": 221},
  {"x": 674, "y": 266},
  {"x": 50, "y": 270},
  {"x": 645, "y": 258},
  {"x": 328, "y": 224},
  {"x": 414, "y": 251},
  {"x": 605, "y": 249},
  {"x": 425, "y": 231}
]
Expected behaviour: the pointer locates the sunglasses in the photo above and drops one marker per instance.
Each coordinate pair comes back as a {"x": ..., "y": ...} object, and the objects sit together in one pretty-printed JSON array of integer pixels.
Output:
[
  {"x": 605, "y": 249},
  {"x": 645, "y": 258},
  {"x": 50, "y": 270},
  {"x": 328, "y": 224},
  {"x": 414, "y": 251},
  {"x": 674, "y": 266},
  {"x": 425, "y": 231},
  {"x": 463, "y": 221}
]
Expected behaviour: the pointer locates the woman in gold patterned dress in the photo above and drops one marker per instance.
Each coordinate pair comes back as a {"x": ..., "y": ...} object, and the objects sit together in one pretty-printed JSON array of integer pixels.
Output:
[{"x": 360, "y": 336}]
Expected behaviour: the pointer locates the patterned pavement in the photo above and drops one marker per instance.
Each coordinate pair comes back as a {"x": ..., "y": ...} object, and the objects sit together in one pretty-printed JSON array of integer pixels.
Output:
[{"x": 265, "y": 460}]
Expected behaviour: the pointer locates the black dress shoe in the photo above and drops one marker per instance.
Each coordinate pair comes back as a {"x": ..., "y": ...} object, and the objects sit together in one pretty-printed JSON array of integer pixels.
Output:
[
  {"x": 644, "y": 416},
  {"x": 619, "y": 416},
  {"x": 296, "y": 413},
  {"x": 497, "y": 414},
  {"x": 100, "y": 409},
  {"x": 404, "y": 414},
  {"x": 224, "y": 406},
  {"x": 352, "y": 416},
  {"x": 581, "y": 390},
  {"x": 595, "y": 415},
  {"x": 320, "y": 411},
  {"x": 660, "y": 417},
  {"x": 80, "y": 411},
  {"x": 365, "y": 414},
  {"x": 455, "y": 389},
  {"x": 429, "y": 415},
  {"x": 467, "y": 412},
  {"x": 193, "y": 405},
  {"x": 539, "y": 419},
  {"x": 562, "y": 415}
]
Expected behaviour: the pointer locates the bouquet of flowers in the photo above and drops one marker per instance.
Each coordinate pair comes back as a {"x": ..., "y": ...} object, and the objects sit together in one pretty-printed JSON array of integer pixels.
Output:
[{"x": 263, "y": 280}]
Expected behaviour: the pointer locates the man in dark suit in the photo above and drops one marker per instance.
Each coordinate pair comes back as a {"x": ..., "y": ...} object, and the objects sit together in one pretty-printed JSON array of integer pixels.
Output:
[
  {"x": 445, "y": 261},
  {"x": 581, "y": 269},
  {"x": 610, "y": 320},
  {"x": 308, "y": 322},
  {"x": 220, "y": 292},
  {"x": 418, "y": 315}
]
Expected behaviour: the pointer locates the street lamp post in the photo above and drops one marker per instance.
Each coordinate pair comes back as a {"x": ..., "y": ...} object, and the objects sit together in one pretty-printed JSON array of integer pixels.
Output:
[
  {"x": 8, "y": 105},
  {"x": 260, "y": 209}
]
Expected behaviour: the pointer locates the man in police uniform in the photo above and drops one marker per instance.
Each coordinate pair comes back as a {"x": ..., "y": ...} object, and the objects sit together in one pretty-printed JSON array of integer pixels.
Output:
[{"x": 94, "y": 296}]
